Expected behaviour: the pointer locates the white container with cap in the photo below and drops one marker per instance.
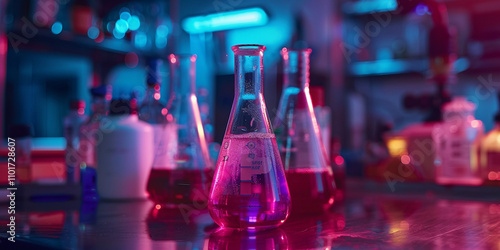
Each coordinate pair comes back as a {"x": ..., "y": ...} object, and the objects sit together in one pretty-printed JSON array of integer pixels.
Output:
[
  {"x": 124, "y": 155},
  {"x": 457, "y": 142}
]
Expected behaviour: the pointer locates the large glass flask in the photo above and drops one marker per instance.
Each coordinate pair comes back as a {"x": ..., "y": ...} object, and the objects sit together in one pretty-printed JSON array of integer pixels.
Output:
[
  {"x": 307, "y": 168},
  {"x": 249, "y": 189},
  {"x": 187, "y": 175}
]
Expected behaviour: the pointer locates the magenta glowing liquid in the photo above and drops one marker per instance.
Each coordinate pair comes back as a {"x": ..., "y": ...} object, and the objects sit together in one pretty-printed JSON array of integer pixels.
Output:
[{"x": 249, "y": 188}]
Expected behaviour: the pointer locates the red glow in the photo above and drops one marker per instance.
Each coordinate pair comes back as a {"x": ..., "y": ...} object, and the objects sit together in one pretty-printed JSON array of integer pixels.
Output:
[
  {"x": 81, "y": 111},
  {"x": 3, "y": 45},
  {"x": 157, "y": 87},
  {"x": 172, "y": 58},
  {"x": 99, "y": 38},
  {"x": 170, "y": 117},
  {"x": 475, "y": 123},
  {"x": 193, "y": 58},
  {"x": 284, "y": 52},
  {"x": 164, "y": 111},
  {"x": 339, "y": 160},
  {"x": 493, "y": 176},
  {"x": 108, "y": 97},
  {"x": 131, "y": 60},
  {"x": 158, "y": 206},
  {"x": 157, "y": 96},
  {"x": 405, "y": 159}
]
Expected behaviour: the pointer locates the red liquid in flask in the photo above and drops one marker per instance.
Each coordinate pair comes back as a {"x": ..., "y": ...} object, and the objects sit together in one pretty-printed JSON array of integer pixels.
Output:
[
  {"x": 250, "y": 189},
  {"x": 311, "y": 190},
  {"x": 179, "y": 186}
]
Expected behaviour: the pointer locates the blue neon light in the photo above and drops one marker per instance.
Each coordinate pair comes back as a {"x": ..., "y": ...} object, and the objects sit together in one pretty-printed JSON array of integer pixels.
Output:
[
  {"x": 134, "y": 23},
  {"x": 56, "y": 28},
  {"x": 225, "y": 21},
  {"x": 121, "y": 26},
  {"x": 369, "y": 6}
]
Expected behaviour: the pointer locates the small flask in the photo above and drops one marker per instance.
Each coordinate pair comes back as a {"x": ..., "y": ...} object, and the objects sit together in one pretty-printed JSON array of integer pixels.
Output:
[
  {"x": 249, "y": 190},
  {"x": 89, "y": 137},
  {"x": 457, "y": 142},
  {"x": 307, "y": 168},
  {"x": 124, "y": 154},
  {"x": 72, "y": 123},
  {"x": 186, "y": 176}
]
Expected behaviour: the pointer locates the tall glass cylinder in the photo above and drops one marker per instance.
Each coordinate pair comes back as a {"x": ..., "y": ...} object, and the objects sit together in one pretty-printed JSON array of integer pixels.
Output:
[
  {"x": 187, "y": 176},
  {"x": 307, "y": 167},
  {"x": 249, "y": 189}
]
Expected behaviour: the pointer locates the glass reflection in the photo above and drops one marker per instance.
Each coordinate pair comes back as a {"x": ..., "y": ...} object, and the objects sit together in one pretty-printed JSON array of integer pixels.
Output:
[{"x": 235, "y": 239}]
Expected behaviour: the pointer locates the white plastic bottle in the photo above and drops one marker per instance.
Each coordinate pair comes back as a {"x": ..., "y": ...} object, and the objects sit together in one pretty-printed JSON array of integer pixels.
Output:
[
  {"x": 125, "y": 154},
  {"x": 457, "y": 142}
]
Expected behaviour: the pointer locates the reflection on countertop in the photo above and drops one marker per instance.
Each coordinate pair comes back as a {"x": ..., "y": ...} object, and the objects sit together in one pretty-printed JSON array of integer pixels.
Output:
[{"x": 367, "y": 218}]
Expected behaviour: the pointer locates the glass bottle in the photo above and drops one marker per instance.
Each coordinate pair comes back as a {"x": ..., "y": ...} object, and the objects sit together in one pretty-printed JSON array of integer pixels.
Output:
[
  {"x": 89, "y": 136},
  {"x": 307, "y": 167},
  {"x": 490, "y": 153},
  {"x": 187, "y": 176},
  {"x": 153, "y": 111},
  {"x": 457, "y": 142},
  {"x": 72, "y": 123},
  {"x": 249, "y": 189}
]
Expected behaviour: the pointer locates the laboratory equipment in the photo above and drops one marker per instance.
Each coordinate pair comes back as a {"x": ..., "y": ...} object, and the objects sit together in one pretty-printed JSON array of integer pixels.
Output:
[
  {"x": 249, "y": 190},
  {"x": 153, "y": 112},
  {"x": 89, "y": 137},
  {"x": 457, "y": 142},
  {"x": 307, "y": 168},
  {"x": 124, "y": 154},
  {"x": 186, "y": 175},
  {"x": 490, "y": 153},
  {"x": 72, "y": 123}
]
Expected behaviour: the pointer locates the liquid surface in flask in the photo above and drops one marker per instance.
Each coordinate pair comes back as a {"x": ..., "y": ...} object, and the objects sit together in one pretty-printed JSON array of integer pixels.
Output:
[
  {"x": 179, "y": 186},
  {"x": 248, "y": 190},
  {"x": 185, "y": 174}
]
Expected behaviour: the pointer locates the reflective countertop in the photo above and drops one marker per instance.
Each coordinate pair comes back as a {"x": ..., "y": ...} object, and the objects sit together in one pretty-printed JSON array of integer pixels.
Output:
[{"x": 371, "y": 216}]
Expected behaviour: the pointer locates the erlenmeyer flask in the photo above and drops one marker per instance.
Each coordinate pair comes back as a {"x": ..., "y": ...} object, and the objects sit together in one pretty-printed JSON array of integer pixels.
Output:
[
  {"x": 249, "y": 189},
  {"x": 187, "y": 177},
  {"x": 307, "y": 169}
]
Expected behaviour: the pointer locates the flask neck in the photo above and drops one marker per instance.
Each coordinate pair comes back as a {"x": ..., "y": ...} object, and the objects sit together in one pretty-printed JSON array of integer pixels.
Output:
[
  {"x": 248, "y": 76},
  {"x": 296, "y": 68},
  {"x": 182, "y": 74}
]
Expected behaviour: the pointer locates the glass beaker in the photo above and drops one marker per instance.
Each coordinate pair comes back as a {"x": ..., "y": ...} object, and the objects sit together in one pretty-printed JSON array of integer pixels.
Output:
[
  {"x": 307, "y": 168},
  {"x": 187, "y": 176},
  {"x": 249, "y": 189}
]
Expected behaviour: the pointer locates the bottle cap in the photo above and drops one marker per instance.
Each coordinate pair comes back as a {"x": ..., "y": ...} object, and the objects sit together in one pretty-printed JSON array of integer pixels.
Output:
[
  {"x": 120, "y": 107},
  {"x": 20, "y": 131},
  {"x": 154, "y": 68},
  {"x": 77, "y": 104},
  {"x": 317, "y": 95}
]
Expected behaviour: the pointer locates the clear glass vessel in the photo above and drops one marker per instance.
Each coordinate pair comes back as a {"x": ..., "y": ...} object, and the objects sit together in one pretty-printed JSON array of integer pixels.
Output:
[
  {"x": 457, "y": 142},
  {"x": 249, "y": 190},
  {"x": 187, "y": 174},
  {"x": 307, "y": 168}
]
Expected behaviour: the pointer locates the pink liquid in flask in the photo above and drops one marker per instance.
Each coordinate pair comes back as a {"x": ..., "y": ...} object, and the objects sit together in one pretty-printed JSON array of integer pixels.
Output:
[{"x": 249, "y": 191}]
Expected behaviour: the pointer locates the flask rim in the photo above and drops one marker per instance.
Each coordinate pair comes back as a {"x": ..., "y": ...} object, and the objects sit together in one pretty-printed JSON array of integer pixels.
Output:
[
  {"x": 173, "y": 58},
  {"x": 248, "y": 49}
]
